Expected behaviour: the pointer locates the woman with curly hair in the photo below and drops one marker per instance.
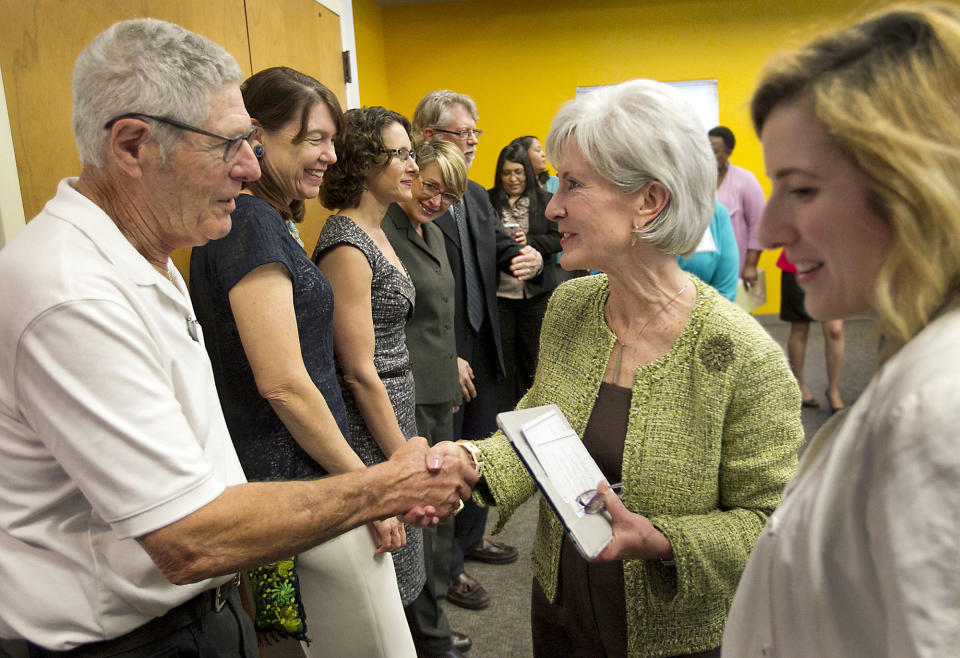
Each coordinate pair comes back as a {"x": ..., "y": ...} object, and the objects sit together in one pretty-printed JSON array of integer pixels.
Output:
[{"x": 374, "y": 297}]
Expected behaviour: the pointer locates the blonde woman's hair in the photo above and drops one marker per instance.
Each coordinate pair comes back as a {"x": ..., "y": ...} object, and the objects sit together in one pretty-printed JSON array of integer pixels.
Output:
[
  {"x": 449, "y": 159},
  {"x": 887, "y": 90}
]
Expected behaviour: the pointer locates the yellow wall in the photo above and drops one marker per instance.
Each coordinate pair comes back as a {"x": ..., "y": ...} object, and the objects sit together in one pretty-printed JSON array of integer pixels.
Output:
[
  {"x": 371, "y": 63},
  {"x": 521, "y": 59}
]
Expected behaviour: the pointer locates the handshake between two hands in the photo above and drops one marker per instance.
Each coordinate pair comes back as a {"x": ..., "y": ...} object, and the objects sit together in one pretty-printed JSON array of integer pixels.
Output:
[{"x": 433, "y": 480}]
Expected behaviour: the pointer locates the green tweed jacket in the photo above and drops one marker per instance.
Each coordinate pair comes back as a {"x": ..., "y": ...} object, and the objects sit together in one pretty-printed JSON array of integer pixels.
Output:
[{"x": 712, "y": 439}]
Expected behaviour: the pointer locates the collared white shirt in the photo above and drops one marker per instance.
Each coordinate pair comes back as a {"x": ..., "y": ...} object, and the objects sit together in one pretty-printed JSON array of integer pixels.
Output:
[
  {"x": 110, "y": 427},
  {"x": 862, "y": 558}
]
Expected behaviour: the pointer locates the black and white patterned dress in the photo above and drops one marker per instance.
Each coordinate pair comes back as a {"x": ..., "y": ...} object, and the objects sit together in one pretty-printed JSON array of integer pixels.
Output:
[{"x": 392, "y": 297}]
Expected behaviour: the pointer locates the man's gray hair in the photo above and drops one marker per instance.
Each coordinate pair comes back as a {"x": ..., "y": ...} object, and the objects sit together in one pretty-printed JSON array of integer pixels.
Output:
[
  {"x": 150, "y": 66},
  {"x": 435, "y": 110},
  {"x": 641, "y": 131}
]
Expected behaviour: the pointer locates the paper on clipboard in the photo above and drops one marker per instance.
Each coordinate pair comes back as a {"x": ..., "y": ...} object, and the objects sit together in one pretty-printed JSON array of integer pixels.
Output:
[
  {"x": 562, "y": 468},
  {"x": 563, "y": 456}
]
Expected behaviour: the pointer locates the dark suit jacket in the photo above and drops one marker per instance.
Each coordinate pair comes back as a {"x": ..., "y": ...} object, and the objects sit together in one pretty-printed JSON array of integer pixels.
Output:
[
  {"x": 544, "y": 236},
  {"x": 494, "y": 251},
  {"x": 430, "y": 335}
]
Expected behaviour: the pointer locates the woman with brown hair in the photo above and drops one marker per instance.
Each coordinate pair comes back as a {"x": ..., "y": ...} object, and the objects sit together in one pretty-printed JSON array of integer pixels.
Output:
[
  {"x": 521, "y": 203},
  {"x": 266, "y": 314}
]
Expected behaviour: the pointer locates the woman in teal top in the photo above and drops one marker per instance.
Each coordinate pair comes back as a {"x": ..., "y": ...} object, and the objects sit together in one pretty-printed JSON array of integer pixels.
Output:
[
  {"x": 716, "y": 260},
  {"x": 675, "y": 392}
]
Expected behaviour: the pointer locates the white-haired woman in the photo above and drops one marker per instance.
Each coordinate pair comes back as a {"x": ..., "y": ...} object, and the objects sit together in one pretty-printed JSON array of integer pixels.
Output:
[{"x": 675, "y": 391}]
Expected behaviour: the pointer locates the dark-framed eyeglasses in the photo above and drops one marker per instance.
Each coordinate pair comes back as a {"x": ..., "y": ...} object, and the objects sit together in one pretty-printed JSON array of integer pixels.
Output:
[
  {"x": 462, "y": 134},
  {"x": 518, "y": 174},
  {"x": 433, "y": 190},
  {"x": 232, "y": 144},
  {"x": 401, "y": 154}
]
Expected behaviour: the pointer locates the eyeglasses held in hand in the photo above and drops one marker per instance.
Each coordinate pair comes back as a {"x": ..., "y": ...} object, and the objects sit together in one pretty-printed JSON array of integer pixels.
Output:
[
  {"x": 591, "y": 500},
  {"x": 402, "y": 154},
  {"x": 433, "y": 191},
  {"x": 462, "y": 134},
  {"x": 230, "y": 151}
]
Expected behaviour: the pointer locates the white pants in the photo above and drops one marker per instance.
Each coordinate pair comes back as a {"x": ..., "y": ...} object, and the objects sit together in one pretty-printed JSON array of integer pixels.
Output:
[{"x": 351, "y": 600}]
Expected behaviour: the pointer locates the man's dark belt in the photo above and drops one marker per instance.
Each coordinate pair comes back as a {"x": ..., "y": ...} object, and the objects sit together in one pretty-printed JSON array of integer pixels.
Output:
[{"x": 157, "y": 628}]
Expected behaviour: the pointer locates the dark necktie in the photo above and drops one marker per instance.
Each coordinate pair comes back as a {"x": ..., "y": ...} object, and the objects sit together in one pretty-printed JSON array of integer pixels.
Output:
[{"x": 470, "y": 276}]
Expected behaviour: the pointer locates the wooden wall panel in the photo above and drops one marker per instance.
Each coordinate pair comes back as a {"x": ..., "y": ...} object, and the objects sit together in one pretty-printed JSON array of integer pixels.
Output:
[
  {"x": 303, "y": 35},
  {"x": 39, "y": 41}
]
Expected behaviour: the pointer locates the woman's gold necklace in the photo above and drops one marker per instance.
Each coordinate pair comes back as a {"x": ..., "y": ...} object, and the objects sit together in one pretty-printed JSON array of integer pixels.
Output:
[{"x": 621, "y": 344}]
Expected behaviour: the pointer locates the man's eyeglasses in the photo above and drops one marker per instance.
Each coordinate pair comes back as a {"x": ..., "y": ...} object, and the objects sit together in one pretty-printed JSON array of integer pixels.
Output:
[
  {"x": 402, "y": 154},
  {"x": 433, "y": 191},
  {"x": 462, "y": 134},
  {"x": 232, "y": 144}
]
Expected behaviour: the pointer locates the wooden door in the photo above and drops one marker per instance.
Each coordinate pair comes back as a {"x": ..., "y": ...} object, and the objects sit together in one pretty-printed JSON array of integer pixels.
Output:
[
  {"x": 39, "y": 42},
  {"x": 304, "y": 35}
]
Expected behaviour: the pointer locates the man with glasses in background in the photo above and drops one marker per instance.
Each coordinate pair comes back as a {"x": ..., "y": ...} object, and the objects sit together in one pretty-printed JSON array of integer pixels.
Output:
[
  {"x": 476, "y": 248},
  {"x": 124, "y": 514}
]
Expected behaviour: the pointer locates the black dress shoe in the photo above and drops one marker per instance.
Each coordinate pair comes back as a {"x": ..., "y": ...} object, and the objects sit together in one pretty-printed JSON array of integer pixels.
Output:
[
  {"x": 461, "y": 641},
  {"x": 467, "y": 592},
  {"x": 493, "y": 552}
]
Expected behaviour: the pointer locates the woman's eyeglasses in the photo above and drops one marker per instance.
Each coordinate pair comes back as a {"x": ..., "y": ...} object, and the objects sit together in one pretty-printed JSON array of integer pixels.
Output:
[
  {"x": 433, "y": 191},
  {"x": 592, "y": 500},
  {"x": 402, "y": 154}
]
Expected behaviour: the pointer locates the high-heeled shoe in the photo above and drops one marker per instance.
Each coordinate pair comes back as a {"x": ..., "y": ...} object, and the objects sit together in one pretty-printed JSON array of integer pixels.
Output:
[{"x": 833, "y": 409}]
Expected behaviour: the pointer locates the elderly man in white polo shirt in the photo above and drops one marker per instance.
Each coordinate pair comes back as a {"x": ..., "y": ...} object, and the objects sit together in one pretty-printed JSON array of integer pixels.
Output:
[{"x": 123, "y": 509}]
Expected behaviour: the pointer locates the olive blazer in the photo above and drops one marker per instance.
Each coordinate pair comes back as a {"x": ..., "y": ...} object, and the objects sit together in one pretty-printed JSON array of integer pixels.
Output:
[{"x": 430, "y": 334}]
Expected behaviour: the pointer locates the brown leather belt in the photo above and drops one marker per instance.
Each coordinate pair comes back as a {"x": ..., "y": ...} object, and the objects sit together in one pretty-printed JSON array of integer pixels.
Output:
[{"x": 157, "y": 628}]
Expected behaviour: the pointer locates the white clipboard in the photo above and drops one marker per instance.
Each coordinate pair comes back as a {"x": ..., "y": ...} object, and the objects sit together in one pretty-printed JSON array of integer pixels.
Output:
[{"x": 590, "y": 533}]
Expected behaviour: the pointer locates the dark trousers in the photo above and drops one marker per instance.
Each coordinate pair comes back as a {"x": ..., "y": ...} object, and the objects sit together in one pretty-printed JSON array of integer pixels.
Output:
[
  {"x": 520, "y": 322},
  {"x": 227, "y": 632},
  {"x": 561, "y": 632},
  {"x": 428, "y": 623},
  {"x": 476, "y": 420}
]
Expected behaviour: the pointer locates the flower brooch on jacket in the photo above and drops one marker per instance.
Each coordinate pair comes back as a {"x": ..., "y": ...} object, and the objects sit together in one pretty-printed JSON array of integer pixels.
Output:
[{"x": 717, "y": 352}]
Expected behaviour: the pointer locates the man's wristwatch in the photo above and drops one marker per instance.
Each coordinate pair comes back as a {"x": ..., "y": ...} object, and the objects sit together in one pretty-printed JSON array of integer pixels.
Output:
[{"x": 475, "y": 455}]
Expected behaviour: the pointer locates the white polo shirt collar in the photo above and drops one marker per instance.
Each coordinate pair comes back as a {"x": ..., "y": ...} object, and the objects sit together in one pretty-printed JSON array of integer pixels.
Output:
[{"x": 82, "y": 212}]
